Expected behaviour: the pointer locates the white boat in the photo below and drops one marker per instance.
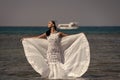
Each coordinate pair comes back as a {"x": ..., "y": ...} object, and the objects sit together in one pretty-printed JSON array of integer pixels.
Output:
[{"x": 71, "y": 25}]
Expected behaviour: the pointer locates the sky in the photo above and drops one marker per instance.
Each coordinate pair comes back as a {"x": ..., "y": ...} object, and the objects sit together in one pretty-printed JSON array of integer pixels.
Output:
[{"x": 39, "y": 12}]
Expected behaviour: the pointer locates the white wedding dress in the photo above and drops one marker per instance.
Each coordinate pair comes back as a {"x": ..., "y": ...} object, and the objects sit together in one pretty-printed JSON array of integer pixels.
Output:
[{"x": 58, "y": 58}]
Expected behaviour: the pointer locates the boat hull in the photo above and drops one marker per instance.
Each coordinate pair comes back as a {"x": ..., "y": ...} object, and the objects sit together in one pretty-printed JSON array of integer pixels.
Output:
[{"x": 68, "y": 27}]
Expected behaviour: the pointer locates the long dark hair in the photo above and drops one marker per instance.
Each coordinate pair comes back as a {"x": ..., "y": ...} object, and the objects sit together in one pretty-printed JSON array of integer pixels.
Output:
[{"x": 49, "y": 31}]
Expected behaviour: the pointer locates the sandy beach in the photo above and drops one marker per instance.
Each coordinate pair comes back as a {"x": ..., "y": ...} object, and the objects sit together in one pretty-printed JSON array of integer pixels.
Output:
[{"x": 104, "y": 64}]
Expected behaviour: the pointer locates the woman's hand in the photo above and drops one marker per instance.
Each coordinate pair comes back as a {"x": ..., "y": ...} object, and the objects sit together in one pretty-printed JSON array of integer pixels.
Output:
[{"x": 22, "y": 39}]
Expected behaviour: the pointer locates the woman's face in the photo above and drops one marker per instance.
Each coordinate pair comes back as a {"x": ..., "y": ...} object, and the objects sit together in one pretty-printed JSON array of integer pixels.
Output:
[{"x": 50, "y": 24}]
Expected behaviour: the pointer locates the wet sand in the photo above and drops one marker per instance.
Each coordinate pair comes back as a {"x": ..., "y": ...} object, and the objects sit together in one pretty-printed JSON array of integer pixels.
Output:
[{"x": 104, "y": 64}]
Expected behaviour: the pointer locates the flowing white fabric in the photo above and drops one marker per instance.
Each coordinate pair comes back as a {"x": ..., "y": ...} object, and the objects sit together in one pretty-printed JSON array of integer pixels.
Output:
[{"x": 58, "y": 58}]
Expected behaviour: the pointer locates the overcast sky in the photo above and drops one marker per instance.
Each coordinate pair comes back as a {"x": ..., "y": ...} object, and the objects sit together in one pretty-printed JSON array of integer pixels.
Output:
[{"x": 39, "y": 12}]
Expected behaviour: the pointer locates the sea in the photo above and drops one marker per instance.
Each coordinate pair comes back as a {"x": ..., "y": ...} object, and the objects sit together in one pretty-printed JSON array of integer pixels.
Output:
[
  {"x": 104, "y": 44},
  {"x": 42, "y": 29}
]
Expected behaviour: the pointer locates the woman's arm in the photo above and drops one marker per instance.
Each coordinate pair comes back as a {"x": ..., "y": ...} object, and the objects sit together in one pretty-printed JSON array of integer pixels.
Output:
[
  {"x": 63, "y": 34},
  {"x": 40, "y": 36}
]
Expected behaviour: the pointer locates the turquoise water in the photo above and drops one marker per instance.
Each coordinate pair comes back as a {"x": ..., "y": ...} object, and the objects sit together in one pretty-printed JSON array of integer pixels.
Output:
[{"x": 42, "y": 29}]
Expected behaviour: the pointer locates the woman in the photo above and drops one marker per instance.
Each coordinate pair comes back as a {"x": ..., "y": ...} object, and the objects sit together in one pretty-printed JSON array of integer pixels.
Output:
[{"x": 60, "y": 56}]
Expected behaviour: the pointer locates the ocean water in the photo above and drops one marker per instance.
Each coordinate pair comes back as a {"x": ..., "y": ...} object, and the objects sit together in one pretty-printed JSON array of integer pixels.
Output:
[
  {"x": 104, "y": 52},
  {"x": 42, "y": 29}
]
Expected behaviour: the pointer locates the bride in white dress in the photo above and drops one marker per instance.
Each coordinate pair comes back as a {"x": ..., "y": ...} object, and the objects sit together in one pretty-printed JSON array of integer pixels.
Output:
[{"x": 56, "y": 55}]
